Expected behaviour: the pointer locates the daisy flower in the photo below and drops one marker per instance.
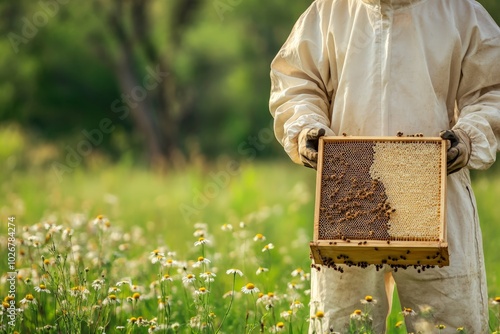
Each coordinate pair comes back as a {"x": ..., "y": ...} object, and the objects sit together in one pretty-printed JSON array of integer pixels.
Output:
[
  {"x": 28, "y": 299},
  {"x": 268, "y": 247},
  {"x": 261, "y": 270},
  {"x": 201, "y": 260},
  {"x": 259, "y": 237},
  {"x": 233, "y": 271},
  {"x": 208, "y": 276},
  {"x": 249, "y": 288},
  {"x": 167, "y": 277},
  {"x": 111, "y": 299},
  {"x": 356, "y": 315},
  {"x": 157, "y": 256},
  {"x": 201, "y": 291},
  {"x": 227, "y": 227},
  {"x": 298, "y": 272},
  {"x": 407, "y": 311},
  {"x": 42, "y": 288},
  {"x": 201, "y": 241},
  {"x": 296, "y": 305},
  {"x": 97, "y": 284},
  {"x": 189, "y": 278},
  {"x": 113, "y": 289},
  {"x": 79, "y": 291},
  {"x": 368, "y": 300},
  {"x": 496, "y": 301}
]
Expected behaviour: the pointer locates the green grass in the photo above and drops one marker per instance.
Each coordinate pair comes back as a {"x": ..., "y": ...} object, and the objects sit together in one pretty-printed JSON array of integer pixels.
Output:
[{"x": 149, "y": 211}]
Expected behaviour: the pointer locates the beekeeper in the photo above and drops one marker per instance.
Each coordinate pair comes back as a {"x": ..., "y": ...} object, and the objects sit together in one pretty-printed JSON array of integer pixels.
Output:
[{"x": 375, "y": 68}]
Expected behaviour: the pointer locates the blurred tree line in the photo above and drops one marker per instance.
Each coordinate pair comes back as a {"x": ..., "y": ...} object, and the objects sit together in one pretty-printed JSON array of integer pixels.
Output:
[{"x": 159, "y": 77}]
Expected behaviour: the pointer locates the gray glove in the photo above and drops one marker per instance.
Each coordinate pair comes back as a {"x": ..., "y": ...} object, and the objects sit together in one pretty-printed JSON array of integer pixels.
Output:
[
  {"x": 308, "y": 146},
  {"x": 459, "y": 149}
]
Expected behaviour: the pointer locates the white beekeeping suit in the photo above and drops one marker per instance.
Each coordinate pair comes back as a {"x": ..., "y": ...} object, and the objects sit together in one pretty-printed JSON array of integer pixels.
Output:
[{"x": 378, "y": 67}]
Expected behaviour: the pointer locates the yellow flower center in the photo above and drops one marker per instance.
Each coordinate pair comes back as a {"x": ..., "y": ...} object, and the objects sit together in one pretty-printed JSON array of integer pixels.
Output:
[
  {"x": 320, "y": 314},
  {"x": 259, "y": 236},
  {"x": 166, "y": 276},
  {"x": 203, "y": 290},
  {"x": 280, "y": 324},
  {"x": 136, "y": 295},
  {"x": 270, "y": 294},
  {"x": 201, "y": 239},
  {"x": 357, "y": 312},
  {"x": 112, "y": 297},
  {"x": 29, "y": 296},
  {"x": 497, "y": 299},
  {"x": 369, "y": 299},
  {"x": 250, "y": 286},
  {"x": 201, "y": 258},
  {"x": 100, "y": 217},
  {"x": 189, "y": 276},
  {"x": 5, "y": 305},
  {"x": 133, "y": 319},
  {"x": 42, "y": 286}
]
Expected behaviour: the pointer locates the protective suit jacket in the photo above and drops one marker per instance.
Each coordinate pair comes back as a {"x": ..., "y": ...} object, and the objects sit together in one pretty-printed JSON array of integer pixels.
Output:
[{"x": 378, "y": 67}]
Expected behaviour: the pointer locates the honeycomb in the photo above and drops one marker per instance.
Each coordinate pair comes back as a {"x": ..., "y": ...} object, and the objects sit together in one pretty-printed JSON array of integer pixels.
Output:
[{"x": 380, "y": 190}]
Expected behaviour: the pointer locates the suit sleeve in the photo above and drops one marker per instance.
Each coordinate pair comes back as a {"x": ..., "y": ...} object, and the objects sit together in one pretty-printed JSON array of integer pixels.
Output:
[
  {"x": 301, "y": 85},
  {"x": 478, "y": 98}
]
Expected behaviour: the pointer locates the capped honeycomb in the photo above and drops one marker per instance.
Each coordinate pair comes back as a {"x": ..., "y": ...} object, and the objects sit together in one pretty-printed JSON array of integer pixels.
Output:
[{"x": 388, "y": 189}]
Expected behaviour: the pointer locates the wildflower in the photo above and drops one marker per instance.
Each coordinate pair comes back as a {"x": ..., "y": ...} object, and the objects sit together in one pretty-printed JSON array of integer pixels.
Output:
[
  {"x": 208, "y": 276},
  {"x": 296, "y": 305},
  {"x": 228, "y": 294},
  {"x": 166, "y": 277},
  {"x": 227, "y": 227},
  {"x": 234, "y": 272},
  {"x": 319, "y": 314},
  {"x": 169, "y": 263},
  {"x": 42, "y": 288},
  {"x": 294, "y": 286},
  {"x": 298, "y": 272},
  {"x": 201, "y": 291},
  {"x": 111, "y": 299},
  {"x": 201, "y": 260},
  {"x": 356, "y": 315},
  {"x": 249, "y": 288},
  {"x": 368, "y": 300},
  {"x": 407, "y": 311},
  {"x": 201, "y": 241},
  {"x": 153, "y": 328},
  {"x": 461, "y": 330},
  {"x": 496, "y": 301},
  {"x": 28, "y": 299},
  {"x": 136, "y": 296},
  {"x": 113, "y": 289},
  {"x": 199, "y": 233},
  {"x": 286, "y": 314},
  {"x": 399, "y": 324},
  {"x": 261, "y": 270},
  {"x": 267, "y": 247},
  {"x": 123, "y": 282},
  {"x": 440, "y": 327},
  {"x": 79, "y": 291},
  {"x": 132, "y": 320},
  {"x": 175, "y": 326},
  {"x": 97, "y": 284},
  {"x": 259, "y": 237},
  {"x": 120, "y": 328},
  {"x": 136, "y": 288},
  {"x": 189, "y": 278},
  {"x": 279, "y": 327},
  {"x": 157, "y": 256}
]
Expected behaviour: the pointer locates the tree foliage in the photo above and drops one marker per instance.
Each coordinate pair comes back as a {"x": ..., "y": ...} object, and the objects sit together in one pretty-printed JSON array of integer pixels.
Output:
[{"x": 173, "y": 77}]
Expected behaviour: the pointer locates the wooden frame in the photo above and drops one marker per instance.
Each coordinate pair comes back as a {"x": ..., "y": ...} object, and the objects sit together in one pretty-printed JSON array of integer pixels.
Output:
[{"x": 391, "y": 251}]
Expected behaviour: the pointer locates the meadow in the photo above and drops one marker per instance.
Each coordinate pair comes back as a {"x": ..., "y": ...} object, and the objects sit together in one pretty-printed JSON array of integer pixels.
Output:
[{"x": 209, "y": 248}]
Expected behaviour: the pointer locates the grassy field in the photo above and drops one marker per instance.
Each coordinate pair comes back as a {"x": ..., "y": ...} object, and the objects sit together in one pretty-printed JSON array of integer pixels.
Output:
[{"x": 116, "y": 248}]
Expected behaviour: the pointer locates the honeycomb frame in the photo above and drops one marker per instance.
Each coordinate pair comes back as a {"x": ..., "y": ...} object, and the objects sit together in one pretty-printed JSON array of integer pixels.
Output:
[{"x": 380, "y": 200}]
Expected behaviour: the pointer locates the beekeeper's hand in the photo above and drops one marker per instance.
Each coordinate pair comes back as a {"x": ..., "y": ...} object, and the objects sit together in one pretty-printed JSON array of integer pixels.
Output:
[
  {"x": 308, "y": 146},
  {"x": 459, "y": 149}
]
